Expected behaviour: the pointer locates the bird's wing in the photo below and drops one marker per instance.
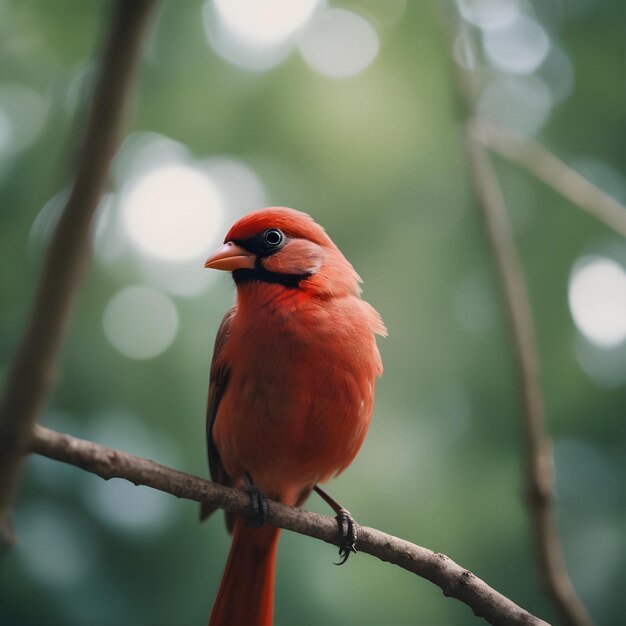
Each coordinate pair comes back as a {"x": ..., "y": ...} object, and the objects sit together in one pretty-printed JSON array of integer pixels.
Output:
[{"x": 218, "y": 380}]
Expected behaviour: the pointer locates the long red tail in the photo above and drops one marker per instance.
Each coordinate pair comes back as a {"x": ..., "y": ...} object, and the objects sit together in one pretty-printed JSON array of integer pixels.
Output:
[{"x": 246, "y": 593}]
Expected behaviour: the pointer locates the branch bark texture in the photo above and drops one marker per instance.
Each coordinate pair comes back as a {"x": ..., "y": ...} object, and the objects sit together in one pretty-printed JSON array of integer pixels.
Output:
[
  {"x": 32, "y": 371},
  {"x": 454, "y": 580},
  {"x": 539, "y": 451}
]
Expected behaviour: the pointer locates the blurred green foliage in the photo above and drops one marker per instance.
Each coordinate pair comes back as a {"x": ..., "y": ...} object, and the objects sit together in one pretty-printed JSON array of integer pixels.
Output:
[{"x": 378, "y": 160}]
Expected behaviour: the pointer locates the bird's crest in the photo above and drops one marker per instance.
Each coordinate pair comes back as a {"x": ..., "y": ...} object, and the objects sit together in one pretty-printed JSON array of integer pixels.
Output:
[{"x": 293, "y": 223}]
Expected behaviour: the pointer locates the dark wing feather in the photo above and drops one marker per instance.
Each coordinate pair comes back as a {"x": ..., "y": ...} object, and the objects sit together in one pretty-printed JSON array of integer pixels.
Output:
[{"x": 218, "y": 380}]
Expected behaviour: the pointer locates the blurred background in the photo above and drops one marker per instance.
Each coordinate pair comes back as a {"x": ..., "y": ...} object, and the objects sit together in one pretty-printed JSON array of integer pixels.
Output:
[{"x": 345, "y": 110}]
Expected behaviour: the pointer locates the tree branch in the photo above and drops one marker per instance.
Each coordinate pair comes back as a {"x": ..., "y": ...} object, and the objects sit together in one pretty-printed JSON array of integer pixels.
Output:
[
  {"x": 454, "y": 580},
  {"x": 539, "y": 451},
  {"x": 32, "y": 372},
  {"x": 540, "y": 162}
]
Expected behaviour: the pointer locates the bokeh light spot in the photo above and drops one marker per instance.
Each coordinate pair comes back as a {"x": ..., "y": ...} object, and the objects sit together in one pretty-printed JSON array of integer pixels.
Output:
[
  {"x": 255, "y": 34},
  {"x": 239, "y": 186},
  {"x": 45, "y": 222},
  {"x": 605, "y": 366},
  {"x": 140, "y": 322},
  {"x": 264, "y": 22},
  {"x": 109, "y": 242},
  {"x": 520, "y": 47},
  {"x": 339, "y": 43},
  {"x": 55, "y": 547},
  {"x": 558, "y": 73},
  {"x": 172, "y": 211},
  {"x": 488, "y": 14},
  {"x": 106, "y": 239},
  {"x": 240, "y": 191},
  {"x": 184, "y": 279},
  {"x": 77, "y": 93},
  {"x": 464, "y": 51},
  {"x": 597, "y": 300},
  {"x": 522, "y": 104},
  {"x": 142, "y": 151},
  {"x": 121, "y": 504}
]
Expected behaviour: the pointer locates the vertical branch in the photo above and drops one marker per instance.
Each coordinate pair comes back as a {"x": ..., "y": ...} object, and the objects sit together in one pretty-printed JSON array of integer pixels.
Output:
[
  {"x": 539, "y": 468},
  {"x": 539, "y": 453},
  {"x": 33, "y": 368}
]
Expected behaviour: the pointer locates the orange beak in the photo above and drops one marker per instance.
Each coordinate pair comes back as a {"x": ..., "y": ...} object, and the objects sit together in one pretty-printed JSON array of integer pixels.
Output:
[{"x": 230, "y": 257}]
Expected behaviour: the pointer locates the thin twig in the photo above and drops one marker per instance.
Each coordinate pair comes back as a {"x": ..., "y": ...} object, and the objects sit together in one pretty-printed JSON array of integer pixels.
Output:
[
  {"x": 454, "y": 580},
  {"x": 547, "y": 167},
  {"x": 539, "y": 451},
  {"x": 33, "y": 369}
]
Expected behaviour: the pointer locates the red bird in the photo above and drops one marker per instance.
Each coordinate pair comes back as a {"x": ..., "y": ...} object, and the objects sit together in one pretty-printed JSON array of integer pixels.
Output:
[{"x": 291, "y": 388}]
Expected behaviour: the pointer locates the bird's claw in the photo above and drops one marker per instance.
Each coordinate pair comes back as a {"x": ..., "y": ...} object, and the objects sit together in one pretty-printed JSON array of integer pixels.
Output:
[
  {"x": 348, "y": 531},
  {"x": 258, "y": 507}
]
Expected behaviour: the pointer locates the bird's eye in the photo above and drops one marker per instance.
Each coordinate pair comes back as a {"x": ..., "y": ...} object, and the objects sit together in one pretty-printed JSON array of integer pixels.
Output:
[{"x": 273, "y": 237}]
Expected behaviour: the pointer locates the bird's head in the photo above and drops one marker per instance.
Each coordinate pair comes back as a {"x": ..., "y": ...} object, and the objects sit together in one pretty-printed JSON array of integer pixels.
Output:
[{"x": 285, "y": 247}]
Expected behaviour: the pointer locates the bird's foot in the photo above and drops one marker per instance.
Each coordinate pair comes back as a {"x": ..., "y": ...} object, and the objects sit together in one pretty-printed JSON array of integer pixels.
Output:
[
  {"x": 258, "y": 506},
  {"x": 348, "y": 528}
]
